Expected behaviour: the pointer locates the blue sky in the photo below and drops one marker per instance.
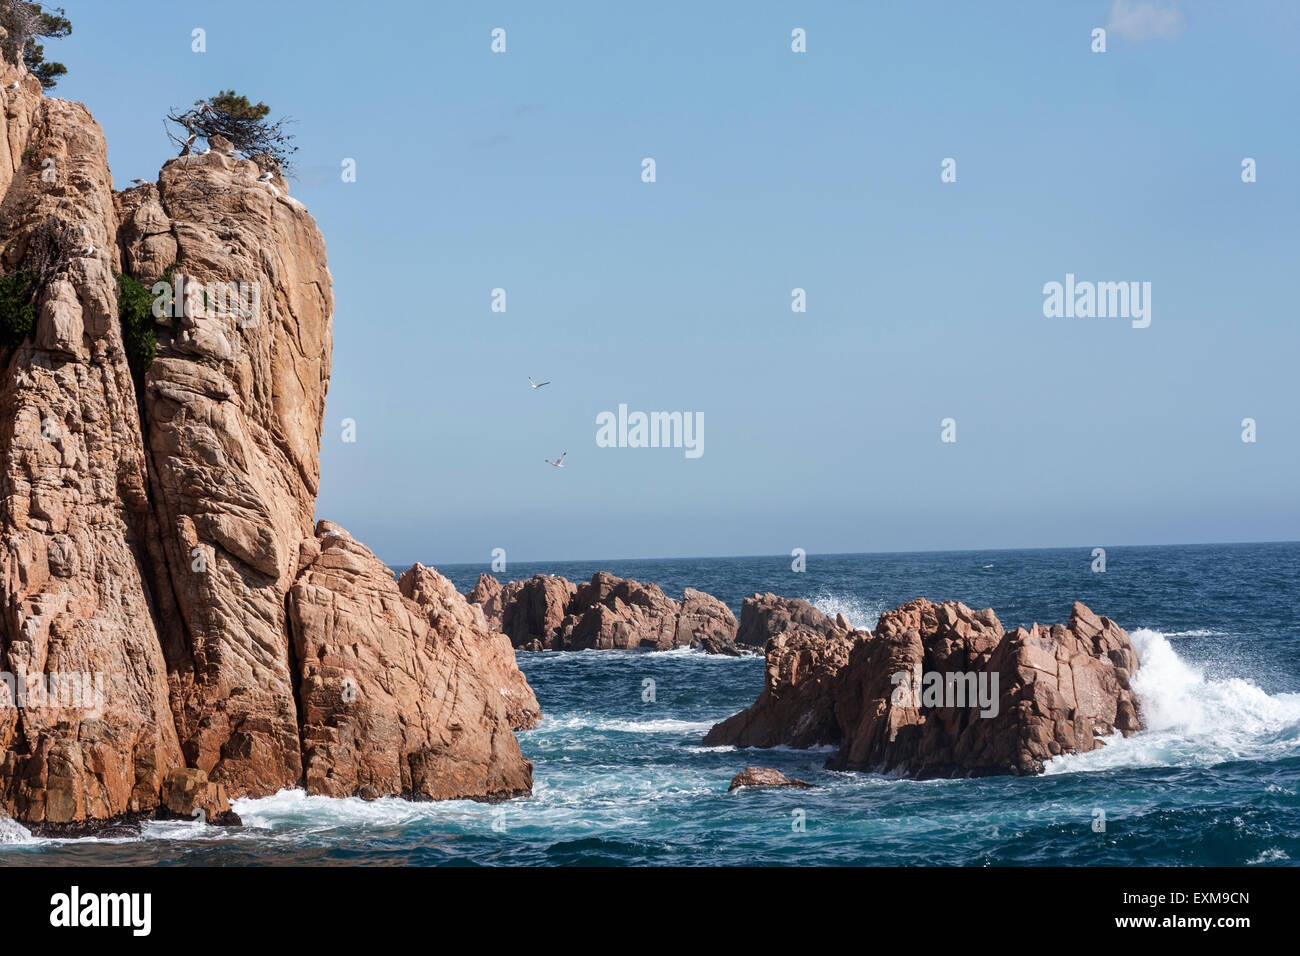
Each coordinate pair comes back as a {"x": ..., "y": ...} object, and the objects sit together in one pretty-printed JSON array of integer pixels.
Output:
[{"x": 775, "y": 170}]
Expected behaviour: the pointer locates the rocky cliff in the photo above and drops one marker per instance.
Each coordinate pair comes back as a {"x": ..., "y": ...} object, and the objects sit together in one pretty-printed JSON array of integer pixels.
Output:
[{"x": 156, "y": 517}]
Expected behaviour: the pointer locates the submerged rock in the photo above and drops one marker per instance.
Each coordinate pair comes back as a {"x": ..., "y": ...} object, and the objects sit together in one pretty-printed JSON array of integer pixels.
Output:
[
  {"x": 766, "y": 777},
  {"x": 187, "y": 794}
]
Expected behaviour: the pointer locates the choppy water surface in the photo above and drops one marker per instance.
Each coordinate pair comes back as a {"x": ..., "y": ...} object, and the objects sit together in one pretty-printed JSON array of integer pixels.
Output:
[{"x": 624, "y": 780}]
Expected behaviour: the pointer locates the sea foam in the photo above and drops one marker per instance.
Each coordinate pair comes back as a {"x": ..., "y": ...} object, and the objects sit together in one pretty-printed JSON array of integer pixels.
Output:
[
  {"x": 1192, "y": 720},
  {"x": 861, "y": 615}
]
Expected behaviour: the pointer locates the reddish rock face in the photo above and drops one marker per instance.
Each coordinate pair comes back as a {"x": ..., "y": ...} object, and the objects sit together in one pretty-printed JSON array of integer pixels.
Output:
[
  {"x": 487, "y": 594},
  {"x": 797, "y": 705},
  {"x": 613, "y": 613},
  {"x": 233, "y": 407},
  {"x": 766, "y": 777},
  {"x": 151, "y": 530},
  {"x": 766, "y": 615},
  {"x": 394, "y": 702},
  {"x": 450, "y": 614},
  {"x": 75, "y": 520},
  {"x": 1048, "y": 691},
  {"x": 707, "y": 623},
  {"x": 532, "y": 610},
  {"x": 805, "y": 651}
]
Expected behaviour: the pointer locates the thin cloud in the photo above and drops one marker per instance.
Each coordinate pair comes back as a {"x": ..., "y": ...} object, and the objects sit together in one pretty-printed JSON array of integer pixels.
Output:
[{"x": 1145, "y": 19}]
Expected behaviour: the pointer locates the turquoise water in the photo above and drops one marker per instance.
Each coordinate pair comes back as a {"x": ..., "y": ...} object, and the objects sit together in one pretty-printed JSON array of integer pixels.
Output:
[{"x": 620, "y": 779}]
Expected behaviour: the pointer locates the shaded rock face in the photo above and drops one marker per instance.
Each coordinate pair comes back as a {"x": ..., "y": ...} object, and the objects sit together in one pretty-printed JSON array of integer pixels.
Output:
[
  {"x": 532, "y": 610},
  {"x": 393, "y": 699},
  {"x": 797, "y": 705},
  {"x": 1050, "y": 690},
  {"x": 74, "y": 515},
  {"x": 805, "y": 652},
  {"x": 152, "y": 528},
  {"x": 607, "y": 613},
  {"x": 765, "y": 615},
  {"x": 766, "y": 777}
]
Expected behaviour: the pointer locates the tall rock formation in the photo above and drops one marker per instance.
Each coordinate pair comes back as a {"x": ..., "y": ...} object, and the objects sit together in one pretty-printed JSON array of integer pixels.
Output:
[
  {"x": 233, "y": 404},
  {"x": 74, "y": 511},
  {"x": 156, "y": 525}
]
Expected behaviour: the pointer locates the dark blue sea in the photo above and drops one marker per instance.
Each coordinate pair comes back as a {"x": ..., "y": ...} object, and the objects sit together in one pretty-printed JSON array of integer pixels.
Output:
[{"x": 623, "y": 780}]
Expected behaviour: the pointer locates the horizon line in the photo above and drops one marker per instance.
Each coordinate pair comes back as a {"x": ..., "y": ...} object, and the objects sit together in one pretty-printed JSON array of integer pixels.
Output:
[{"x": 838, "y": 554}]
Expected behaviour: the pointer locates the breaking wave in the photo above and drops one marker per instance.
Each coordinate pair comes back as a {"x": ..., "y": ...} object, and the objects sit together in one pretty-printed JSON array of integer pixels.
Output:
[
  {"x": 1192, "y": 720},
  {"x": 862, "y": 615}
]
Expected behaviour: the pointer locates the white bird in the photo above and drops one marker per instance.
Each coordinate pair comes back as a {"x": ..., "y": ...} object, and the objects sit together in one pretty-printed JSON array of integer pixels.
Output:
[
  {"x": 231, "y": 152},
  {"x": 86, "y": 253},
  {"x": 12, "y": 86},
  {"x": 266, "y": 177},
  {"x": 138, "y": 182},
  {"x": 536, "y": 384},
  {"x": 558, "y": 463},
  {"x": 202, "y": 152}
]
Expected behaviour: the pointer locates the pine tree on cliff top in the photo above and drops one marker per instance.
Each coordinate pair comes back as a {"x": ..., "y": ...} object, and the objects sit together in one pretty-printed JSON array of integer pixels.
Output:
[
  {"x": 22, "y": 22},
  {"x": 239, "y": 120}
]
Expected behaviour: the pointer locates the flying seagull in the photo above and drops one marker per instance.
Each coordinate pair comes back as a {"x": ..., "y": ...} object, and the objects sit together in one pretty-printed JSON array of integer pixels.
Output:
[
  {"x": 558, "y": 463},
  {"x": 536, "y": 384},
  {"x": 138, "y": 182}
]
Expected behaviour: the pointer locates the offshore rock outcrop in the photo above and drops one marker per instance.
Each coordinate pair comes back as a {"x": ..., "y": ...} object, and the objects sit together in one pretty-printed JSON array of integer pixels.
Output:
[
  {"x": 547, "y": 612},
  {"x": 1026, "y": 696},
  {"x": 805, "y": 652},
  {"x": 764, "y": 615},
  {"x": 758, "y": 777},
  {"x": 156, "y": 524}
]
